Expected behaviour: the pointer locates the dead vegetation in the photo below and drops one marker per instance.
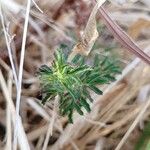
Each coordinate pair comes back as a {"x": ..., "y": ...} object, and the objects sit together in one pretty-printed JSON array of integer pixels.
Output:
[{"x": 117, "y": 117}]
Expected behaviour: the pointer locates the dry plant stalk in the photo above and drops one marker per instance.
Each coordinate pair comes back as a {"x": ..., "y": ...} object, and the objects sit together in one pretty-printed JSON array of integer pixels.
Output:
[
  {"x": 76, "y": 135},
  {"x": 19, "y": 81},
  {"x": 51, "y": 124},
  {"x": 122, "y": 37},
  {"x": 134, "y": 124},
  {"x": 22, "y": 139}
]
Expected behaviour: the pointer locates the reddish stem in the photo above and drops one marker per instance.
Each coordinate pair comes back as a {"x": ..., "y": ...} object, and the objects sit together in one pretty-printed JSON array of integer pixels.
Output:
[{"x": 122, "y": 37}]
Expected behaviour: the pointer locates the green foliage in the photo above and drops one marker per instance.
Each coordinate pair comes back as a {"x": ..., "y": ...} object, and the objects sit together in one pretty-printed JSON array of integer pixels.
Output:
[
  {"x": 72, "y": 81},
  {"x": 144, "y": 141}
]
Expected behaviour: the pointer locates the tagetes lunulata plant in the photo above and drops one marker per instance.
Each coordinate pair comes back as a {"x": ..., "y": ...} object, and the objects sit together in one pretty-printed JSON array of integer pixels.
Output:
[{"x": 72, "y": 82}]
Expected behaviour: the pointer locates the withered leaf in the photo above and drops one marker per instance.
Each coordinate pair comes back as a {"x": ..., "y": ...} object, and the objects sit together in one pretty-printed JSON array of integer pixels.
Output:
[{"x": 89, "y": 36}]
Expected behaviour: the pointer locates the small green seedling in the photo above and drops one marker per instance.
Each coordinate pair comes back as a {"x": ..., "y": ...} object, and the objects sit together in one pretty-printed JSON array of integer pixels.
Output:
[{"x": 72, "y": 82}]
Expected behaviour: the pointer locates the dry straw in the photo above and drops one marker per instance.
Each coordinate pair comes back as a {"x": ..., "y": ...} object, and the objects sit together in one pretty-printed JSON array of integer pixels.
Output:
[{"x": 107, "y": 120}]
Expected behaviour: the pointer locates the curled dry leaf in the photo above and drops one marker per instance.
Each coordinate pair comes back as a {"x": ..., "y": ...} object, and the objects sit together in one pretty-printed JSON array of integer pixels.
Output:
[{"x": 89, "y": 36}]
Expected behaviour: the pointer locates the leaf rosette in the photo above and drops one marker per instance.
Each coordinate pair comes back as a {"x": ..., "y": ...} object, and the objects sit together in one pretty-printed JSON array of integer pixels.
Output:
[{"x": 72, "y": 82}]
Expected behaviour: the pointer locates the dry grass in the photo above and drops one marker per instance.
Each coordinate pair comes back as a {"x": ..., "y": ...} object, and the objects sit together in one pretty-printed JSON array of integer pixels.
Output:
[{"x": 117, "y": 117}]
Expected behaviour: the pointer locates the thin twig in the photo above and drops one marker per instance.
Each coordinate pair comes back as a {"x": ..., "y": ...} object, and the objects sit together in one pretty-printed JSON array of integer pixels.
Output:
[
  {"x": 122, "y": 37},
  {"x": 127, "y": 69},
  {"x": 8, "y": 116},
  {"x": 36, "y": 5},
  {"x": 132, "y": 127},
  {"x": 23, "y": 142},
  {"x": 8, "y": 46},
  {"x": 21, "y": 70},
  {"x": 51, "y": 124},
  {"x": 38, "y": 108}
]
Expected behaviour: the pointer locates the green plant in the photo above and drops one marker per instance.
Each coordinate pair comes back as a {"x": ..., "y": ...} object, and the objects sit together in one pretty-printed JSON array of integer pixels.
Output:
[
  {"x": 72, "y": 81},
  {"x": 144, "y": 141}
]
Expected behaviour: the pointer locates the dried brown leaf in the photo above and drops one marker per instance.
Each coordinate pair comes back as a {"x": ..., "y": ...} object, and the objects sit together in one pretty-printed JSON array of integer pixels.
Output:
[{"x": 89, "y": 36}]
